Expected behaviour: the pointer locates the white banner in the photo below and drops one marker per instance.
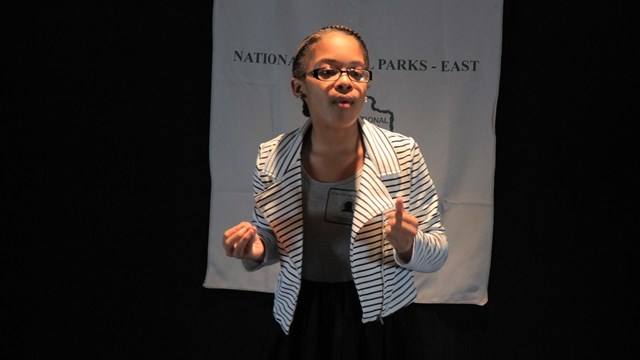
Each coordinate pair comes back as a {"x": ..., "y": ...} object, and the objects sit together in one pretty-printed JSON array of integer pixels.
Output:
[{"x": 436, "y": 71}]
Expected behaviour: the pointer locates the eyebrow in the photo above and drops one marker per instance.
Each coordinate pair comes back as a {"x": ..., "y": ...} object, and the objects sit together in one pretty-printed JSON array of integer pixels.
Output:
[{"x": 334, "y": 61}]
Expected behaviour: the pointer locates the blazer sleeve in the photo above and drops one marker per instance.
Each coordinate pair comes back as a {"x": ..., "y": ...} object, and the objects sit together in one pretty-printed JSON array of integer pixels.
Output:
[
  {"x": 430, "y": 247},
  {"x": 265, "y": 232}
]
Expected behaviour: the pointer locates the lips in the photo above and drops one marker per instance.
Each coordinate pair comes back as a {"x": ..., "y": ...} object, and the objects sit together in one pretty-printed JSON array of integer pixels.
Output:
[{"x": 344, "y": 100}]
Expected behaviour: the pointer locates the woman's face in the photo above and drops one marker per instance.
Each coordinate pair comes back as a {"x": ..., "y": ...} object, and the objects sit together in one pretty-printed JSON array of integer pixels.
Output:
[{"x": 333, "y": 103}]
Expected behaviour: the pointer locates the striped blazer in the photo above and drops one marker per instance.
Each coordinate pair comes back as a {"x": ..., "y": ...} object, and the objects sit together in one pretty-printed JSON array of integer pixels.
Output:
[{"x": 393, "y": 166}]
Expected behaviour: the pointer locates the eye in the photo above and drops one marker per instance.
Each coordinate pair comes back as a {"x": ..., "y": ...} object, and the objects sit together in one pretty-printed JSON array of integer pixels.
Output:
[
  {"x": 326, "y": 73},
  {"x": 356, "y": 74}
]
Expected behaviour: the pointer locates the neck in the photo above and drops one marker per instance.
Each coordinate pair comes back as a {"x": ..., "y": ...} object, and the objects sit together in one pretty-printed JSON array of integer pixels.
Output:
[
  {"x": 332, "y": 155},
  {"x": 328, "y": 141}
]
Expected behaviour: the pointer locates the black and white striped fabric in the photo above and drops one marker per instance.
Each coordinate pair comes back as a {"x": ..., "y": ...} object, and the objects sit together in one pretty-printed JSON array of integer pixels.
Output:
[{"x": 393, "y": 167}]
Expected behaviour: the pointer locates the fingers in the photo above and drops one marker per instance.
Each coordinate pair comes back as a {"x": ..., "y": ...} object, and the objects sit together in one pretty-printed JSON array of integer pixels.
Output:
[
  {"x": 237, "y": 239},
  {"x": 396, "y": 216},
  {"x": 401, "y": 228},
  {"x": 401, "y": 220},
  {"x": 241, "y": 247},
  {"x": 399, "y": 210}
]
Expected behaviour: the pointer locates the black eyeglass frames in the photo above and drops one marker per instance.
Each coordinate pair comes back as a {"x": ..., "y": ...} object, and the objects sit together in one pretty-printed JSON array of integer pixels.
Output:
[{"x": 331, "y": 74}]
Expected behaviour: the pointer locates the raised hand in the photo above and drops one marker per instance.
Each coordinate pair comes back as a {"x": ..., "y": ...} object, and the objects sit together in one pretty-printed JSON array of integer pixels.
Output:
[{"x": 401, "y": 229}]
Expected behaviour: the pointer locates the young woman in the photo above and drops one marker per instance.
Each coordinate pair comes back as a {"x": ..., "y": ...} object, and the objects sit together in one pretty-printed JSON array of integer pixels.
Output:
[{"x": 349, "y": 211}]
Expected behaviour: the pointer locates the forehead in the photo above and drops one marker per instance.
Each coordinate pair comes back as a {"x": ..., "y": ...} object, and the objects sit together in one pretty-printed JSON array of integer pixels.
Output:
[{"x": 336, "y": 47}]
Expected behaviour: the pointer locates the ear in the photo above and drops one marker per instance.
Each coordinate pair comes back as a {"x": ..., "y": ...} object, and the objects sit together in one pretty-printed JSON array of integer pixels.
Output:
[{"x": 297, "y": 88}]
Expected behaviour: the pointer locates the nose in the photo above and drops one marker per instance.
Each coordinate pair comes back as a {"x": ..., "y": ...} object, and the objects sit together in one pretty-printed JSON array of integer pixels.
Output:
[{"x": 344, "y": 82}]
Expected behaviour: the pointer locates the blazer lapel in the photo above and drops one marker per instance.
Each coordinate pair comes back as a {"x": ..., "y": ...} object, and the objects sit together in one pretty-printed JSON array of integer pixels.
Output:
[{"x": 380, "y": 166}]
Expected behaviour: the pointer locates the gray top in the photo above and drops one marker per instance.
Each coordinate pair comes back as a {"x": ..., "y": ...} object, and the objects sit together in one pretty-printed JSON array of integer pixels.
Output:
[{"x": 328, "y": 214}]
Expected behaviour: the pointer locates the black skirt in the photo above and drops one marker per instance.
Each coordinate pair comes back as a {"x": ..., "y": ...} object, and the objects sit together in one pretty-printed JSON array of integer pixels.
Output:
[{"x": 328, "y": 325}]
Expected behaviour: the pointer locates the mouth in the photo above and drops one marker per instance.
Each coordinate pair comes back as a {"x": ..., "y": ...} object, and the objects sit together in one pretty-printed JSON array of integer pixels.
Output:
[{"x": 344, "y": 101}]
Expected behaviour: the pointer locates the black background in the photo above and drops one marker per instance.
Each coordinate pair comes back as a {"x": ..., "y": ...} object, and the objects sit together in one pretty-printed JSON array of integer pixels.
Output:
[{"x": 106, "y": 190}]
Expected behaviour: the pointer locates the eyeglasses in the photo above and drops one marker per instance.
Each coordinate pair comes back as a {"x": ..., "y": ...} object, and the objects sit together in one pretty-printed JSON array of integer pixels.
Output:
[{"x": 331, "y": 74}]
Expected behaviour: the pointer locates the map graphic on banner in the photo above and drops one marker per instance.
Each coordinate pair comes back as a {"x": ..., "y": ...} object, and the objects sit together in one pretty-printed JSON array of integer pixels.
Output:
[
  {"x": 382, "y": 118},
  {"x": 436, "y": 71}
]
